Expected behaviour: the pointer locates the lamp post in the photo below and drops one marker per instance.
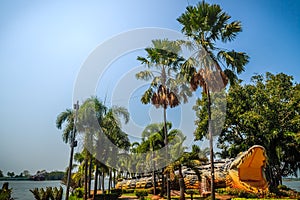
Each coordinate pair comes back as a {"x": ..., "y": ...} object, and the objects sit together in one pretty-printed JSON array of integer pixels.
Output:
[{"x": 73, "y": 144}]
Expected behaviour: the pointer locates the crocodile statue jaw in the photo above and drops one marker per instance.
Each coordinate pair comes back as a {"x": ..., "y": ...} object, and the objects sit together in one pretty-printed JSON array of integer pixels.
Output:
[{"x": 247, "y": 171}]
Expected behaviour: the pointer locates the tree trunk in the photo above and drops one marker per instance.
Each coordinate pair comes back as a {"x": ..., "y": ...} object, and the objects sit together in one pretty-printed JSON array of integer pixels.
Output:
[
  {"x": 90, "y": 176},
  {"x": 181, "y": 184},
  {"x": 103, "y": 188},
  {"x": 162, "y": 191},
  {"x": 212, "y": 183},
  {"x": 109, "y": 181},
  {"x": 70, "y": 171},
  {"x": 99, "y": 179},
  {"x": 167, "y": 153},
  {"x": 96, "y": 180},
  {"x": 154, "y": 182},
  {"x": 114, "y": 179},
  {"x": 85, "y": 178}
]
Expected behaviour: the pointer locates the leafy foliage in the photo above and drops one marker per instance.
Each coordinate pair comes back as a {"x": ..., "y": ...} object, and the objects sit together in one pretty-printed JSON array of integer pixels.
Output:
[
  {"x": 48, "y": 194},
  {"x": 165, "y": 89},
  {"x": 205, "y": 24},
  {"x": 66, "y": 117},
  {"x": 141, "y": 194},
  {"x": 265, "y": 113},
  {"x": 5, "y": 192}
]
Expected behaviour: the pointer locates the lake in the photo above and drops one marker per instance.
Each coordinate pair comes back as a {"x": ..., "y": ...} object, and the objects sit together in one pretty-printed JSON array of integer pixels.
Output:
[{"x": 21, "y": 188}]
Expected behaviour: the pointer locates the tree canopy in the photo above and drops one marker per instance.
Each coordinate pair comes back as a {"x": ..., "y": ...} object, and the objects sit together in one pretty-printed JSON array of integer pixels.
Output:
[{"x": 265, "y": 112}]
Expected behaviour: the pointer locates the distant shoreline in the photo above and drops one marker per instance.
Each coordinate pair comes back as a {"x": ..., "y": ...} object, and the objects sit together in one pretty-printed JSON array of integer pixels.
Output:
[
  {"x": 25, "y": 179},
  {"x": 15, "y": 179},
  {"x": 291, "y": 179}
]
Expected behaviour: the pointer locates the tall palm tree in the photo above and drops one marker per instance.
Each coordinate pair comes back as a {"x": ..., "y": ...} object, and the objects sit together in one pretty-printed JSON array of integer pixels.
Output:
[
  {"x": 68, "y": 117},
  {"x": 205, "y": 25},
  {"x": 164, "y": 90}
]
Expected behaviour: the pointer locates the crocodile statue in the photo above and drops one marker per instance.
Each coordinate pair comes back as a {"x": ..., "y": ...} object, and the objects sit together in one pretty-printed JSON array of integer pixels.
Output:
[{"x": 245, "y": 172}]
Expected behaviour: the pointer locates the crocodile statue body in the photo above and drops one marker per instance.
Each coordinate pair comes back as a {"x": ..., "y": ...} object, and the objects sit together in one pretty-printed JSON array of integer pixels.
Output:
[{"x": 245, "y": 172}]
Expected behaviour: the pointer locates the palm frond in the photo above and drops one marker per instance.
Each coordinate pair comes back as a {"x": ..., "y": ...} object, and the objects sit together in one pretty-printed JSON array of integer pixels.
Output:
[{"x": 144, "y": 75}]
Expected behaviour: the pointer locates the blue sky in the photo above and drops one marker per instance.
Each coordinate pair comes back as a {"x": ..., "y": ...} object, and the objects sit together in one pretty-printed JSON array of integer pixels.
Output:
[{"x": 45, "y": 43}]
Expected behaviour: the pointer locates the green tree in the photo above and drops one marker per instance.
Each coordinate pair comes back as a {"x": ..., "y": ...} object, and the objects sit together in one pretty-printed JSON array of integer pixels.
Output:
[
  {"x": 265, "y": 112},
  {"x": 101, "y": 127},
  {"x": 1, "y": 173},
  {"x": 205, "y": 25},
  {"x": 165, "y": 89},
  {"x": 26, "y": 173},
  {"x": 68, "y": 118},
  {"x": 153, "y": 140},
  {"x": 11, "y": 174}
]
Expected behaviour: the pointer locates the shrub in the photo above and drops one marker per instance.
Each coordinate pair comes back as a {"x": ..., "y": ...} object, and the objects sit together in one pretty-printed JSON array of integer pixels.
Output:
[
  {"x": 78, "y": 192},
  {"x": 141, "y": 194},
  {"x": 49, "y": 193},
  {"x": 5, "y": 192},
  {"x": 241, "y": 193},
  {"x": 127, "y": 191},
  {"x": 283, "y": 187},
  {"x": 116, "y": 191}
]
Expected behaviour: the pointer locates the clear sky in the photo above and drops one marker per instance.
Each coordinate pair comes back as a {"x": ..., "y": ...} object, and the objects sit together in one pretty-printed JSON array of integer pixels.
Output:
[{"x": 43, "y": 45}]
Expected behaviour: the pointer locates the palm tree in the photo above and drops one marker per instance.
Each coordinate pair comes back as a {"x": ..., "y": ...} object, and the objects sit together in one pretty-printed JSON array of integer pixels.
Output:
[
  {"x": 205, "y": 25},
  {"x": 68, "y": 117},
  {"x": 164, "y": 90},
  {"x": 98, "y": 121},
  {"x": 153, "y": 139}
]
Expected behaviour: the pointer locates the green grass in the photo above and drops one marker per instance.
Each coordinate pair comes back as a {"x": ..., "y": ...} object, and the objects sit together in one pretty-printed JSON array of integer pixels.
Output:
[{"x": 128, "y": 194}]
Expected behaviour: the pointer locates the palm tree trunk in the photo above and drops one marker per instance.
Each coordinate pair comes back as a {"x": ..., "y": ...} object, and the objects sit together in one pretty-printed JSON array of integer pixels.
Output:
[
  {"x": 73, "y": 142},
  {"x": 114, "y": 179},
  {"x": 109, "y": 181},
  {"x": 99, "y": 179},
  {"x": 85, "y": 178},
  {"x": 103, "y": 188},
  {"x": 70, "y": 170},
  {"x": 162, "y": 191},
  {"x": 211, "y": 145},
  {"x": 90, "y": 176},
  {"x": 167, "y": 153},
  {"x": 96, "y": 180},
  {"x": 154, "y": 182},
  {"x": 181, "y": 183}
]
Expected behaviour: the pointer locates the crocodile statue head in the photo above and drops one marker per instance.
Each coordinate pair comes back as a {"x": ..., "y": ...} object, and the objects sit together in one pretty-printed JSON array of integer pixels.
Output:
[{"x": 247, "y": 170}]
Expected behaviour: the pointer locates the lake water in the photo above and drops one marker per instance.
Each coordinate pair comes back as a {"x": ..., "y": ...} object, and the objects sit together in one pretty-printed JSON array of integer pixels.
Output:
[{"x": 21, "y": 188}]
